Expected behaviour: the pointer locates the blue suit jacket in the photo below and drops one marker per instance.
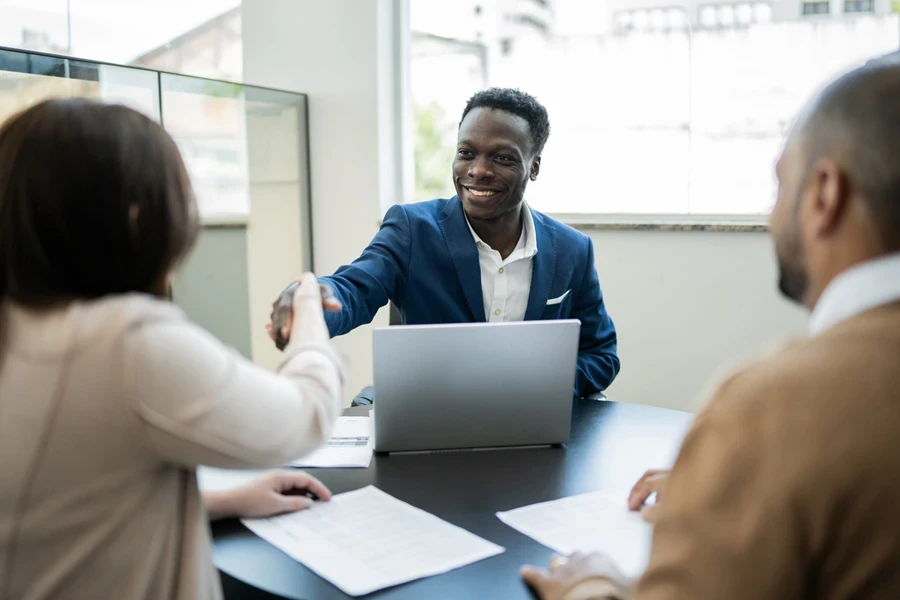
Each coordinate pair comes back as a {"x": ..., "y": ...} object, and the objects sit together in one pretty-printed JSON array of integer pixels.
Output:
[{"x": 425, "y": 261}]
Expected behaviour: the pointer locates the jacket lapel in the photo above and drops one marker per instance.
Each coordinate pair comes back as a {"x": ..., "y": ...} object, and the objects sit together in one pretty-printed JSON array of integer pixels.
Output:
[
  {"x": 543, "y": 268},
  {"x": 465, "y": 255}
]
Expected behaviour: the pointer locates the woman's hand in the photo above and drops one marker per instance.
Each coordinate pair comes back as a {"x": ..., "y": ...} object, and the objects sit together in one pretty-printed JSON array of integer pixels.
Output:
[
  {"x": 274, "y": 493},
  {"x": 282, "y": 318}
]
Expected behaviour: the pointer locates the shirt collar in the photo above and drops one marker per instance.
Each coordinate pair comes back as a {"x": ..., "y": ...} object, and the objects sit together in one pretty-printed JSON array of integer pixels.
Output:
[
  {"x": 527, "y": 239},
  {"x": 868, "y": 285}
]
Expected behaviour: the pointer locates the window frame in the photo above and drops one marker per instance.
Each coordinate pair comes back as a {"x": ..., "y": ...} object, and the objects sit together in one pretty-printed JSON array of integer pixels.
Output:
[{"x": 743, "y": 222}]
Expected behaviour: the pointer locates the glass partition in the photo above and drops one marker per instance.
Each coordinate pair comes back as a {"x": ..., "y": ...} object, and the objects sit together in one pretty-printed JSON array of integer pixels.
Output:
[
  {"x": 246, "y": 149},
  {"x": 208, "y": 121},
  {"x": 27, "y": 78},
  {"x": 237, "y": 140}
]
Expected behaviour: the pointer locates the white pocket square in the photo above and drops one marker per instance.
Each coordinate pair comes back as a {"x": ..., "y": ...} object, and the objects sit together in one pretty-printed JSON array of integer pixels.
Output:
[{"x": 558, "y": 300}]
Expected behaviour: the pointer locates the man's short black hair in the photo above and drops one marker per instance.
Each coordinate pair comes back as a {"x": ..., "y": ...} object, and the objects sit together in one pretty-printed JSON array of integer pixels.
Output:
[
  {"x": 856, "y": 121},
  {"x": 94, "y": 200},
  {"x": 518, "y": 103}
]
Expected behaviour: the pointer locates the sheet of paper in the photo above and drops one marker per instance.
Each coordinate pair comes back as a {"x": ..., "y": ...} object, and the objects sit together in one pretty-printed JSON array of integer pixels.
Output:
[
  {"x": 350, "y": 446},
  {"x": 599, "y": 521},
  {"x": 367, "y": 540}
]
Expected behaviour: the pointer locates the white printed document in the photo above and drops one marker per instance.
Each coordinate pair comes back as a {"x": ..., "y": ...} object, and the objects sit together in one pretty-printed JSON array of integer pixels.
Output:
[
  {"x": 350, "y": 445},
  {"x": 599, "y": 521},
  {"x": 367, "y": 540}
]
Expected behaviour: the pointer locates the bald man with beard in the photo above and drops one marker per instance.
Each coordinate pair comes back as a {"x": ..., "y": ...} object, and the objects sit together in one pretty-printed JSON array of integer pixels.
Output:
[{"x": 787, "y": 485}]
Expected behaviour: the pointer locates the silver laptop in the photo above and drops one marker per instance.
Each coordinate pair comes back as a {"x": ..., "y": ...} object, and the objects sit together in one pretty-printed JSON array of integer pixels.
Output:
[{"x": 478, "y": 385}]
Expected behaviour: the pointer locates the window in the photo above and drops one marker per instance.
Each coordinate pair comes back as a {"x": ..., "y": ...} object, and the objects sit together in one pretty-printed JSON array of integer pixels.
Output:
[
  {"x": 762, "y": 13},
  {"x": 623, "y": 21},
  {"x": 734, "y": 15},
  {"x": 677, "y": 18},
  {"x": 709, "y": 16},
  {"x": 683, "y": 121},
  {"x": 194, "y": 38},
  {"x": 859, "y": 6},
  {"x": 726, "y": 15},
  {"x": 641, "y": 20},
  {"x": 816, "y": 8},
  {"x": 652, "y": 19}
]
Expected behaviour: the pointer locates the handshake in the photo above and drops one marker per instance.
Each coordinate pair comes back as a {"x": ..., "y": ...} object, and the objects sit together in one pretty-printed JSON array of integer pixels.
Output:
[{"x": 301, "y": 306}]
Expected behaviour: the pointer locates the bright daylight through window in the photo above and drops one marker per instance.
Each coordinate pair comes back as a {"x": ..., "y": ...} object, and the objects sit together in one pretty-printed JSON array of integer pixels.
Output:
[
  {"x": 207, "y": 119},
  {"x": 655, "y": 108}
]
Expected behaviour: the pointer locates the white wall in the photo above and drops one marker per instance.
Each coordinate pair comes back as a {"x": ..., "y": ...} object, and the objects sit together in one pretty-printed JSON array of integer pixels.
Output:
[
  {"x": 334, "y": 51},
  {"x": 688, "y": 306}
]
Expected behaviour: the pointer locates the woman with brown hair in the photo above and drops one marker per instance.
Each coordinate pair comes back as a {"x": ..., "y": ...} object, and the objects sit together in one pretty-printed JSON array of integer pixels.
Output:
[{"x": 109, "y": 397}]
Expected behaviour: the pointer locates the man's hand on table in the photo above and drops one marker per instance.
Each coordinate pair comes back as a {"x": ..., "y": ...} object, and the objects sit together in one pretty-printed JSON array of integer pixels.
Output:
[
  {"x": 279, "y": 327},
  {"x": 274, "y": 493},
  {"x": 579, "y": 577},
  {"x": 651, "y": 482}
]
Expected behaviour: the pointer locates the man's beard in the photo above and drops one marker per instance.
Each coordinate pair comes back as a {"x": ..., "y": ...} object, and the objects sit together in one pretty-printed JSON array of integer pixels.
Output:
[
  {"x": 792, "y": 283},
  {"x": 793, "y": 280}
]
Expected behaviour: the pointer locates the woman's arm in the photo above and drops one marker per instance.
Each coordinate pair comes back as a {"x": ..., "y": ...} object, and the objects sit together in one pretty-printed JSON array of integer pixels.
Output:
[{"x": 197, "y": 402}]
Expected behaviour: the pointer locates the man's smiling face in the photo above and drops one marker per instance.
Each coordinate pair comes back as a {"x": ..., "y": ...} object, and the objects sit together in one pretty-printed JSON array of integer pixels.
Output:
[{"x": 494, "y": 160}]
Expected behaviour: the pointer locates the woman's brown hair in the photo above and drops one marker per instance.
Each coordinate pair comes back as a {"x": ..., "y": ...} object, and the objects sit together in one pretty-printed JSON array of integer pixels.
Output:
[{"x": 94, "y": 200}]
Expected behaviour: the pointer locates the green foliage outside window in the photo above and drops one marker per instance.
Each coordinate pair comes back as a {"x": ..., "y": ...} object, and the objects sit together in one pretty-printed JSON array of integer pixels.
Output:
[{"x": 435, "y": 134}]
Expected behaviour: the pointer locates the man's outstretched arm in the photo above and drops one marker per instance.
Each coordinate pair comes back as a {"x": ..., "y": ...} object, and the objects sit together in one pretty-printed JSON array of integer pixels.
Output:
[{"x": 377, "y": 276}]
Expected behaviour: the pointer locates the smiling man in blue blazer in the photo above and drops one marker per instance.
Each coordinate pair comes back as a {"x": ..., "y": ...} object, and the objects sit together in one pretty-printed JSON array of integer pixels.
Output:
[{"x": 484, "y": 255}]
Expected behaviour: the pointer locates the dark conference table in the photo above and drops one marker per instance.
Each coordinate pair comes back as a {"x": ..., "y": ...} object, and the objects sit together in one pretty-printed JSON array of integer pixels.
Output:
[{"x": 611, "y": 445}]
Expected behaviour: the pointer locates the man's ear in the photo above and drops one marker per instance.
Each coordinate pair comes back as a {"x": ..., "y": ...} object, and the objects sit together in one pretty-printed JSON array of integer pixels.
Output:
[
  {"x": 829, "y": 197},
  {"x": 535, "y": 168}
]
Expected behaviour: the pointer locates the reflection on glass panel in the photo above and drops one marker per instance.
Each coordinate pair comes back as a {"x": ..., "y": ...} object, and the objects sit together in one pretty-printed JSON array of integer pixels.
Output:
[
  {"x": 237, "y": 142},
  {"x": 26, "y": 79},
  {"x": 276, "y": 126},
  {"x": 278, "y": 158},
  {"x": 207, "y": 119}
]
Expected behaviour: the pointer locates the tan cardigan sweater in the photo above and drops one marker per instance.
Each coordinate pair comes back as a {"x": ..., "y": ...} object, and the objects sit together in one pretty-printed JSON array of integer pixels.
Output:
[
  {"x": 106, "y": 409},
  {"x": 788, "y": 484}
]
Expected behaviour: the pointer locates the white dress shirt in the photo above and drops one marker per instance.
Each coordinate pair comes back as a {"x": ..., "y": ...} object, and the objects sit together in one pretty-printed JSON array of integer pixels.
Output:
[
  {"x": 506, "y": 284},
  {"x": 869, "y": 285}
]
